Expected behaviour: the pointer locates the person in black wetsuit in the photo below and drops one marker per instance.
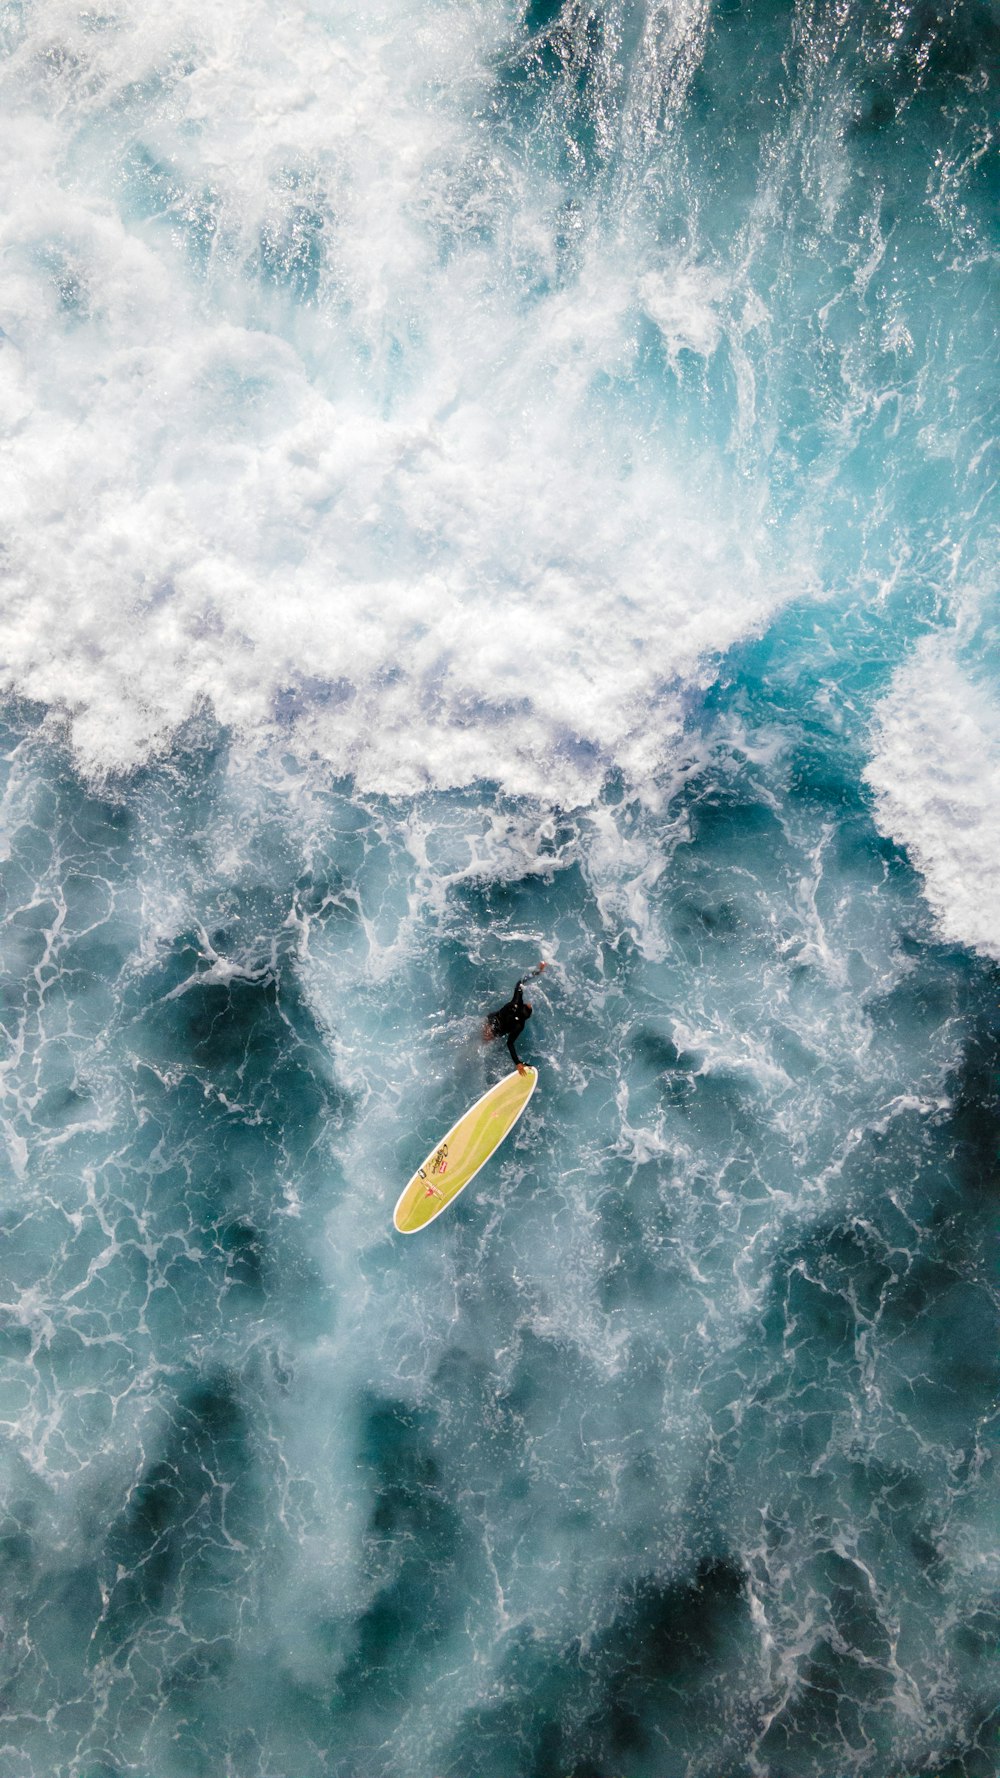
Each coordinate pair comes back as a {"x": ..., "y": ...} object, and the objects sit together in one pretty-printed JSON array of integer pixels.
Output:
[{"x": 509, "y": 1021}]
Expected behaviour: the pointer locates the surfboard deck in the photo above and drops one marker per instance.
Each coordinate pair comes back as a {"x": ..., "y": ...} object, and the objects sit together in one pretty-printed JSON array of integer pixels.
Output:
[{"x": 466, "y": 1148}]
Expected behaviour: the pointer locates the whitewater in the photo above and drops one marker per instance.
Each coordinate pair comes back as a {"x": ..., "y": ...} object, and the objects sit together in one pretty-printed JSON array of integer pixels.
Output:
[{"x": 483, "y": 482}]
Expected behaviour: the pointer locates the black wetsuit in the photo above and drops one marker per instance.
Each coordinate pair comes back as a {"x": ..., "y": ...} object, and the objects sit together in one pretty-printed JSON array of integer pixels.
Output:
[{"x": 509, "y": 1021}]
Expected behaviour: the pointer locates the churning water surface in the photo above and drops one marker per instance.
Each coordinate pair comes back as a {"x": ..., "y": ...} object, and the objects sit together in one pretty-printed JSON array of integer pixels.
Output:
[{"x": 485, "y": 482}]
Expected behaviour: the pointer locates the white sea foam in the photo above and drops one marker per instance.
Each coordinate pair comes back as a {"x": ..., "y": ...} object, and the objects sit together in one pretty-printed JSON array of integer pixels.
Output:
[
  {"x": 285, "y": 440},
  {"x": 936, "y": 773}
]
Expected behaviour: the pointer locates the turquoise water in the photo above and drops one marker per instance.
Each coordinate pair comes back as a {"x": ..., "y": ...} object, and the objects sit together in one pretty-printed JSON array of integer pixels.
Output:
[{"x": 488, "y": 483}]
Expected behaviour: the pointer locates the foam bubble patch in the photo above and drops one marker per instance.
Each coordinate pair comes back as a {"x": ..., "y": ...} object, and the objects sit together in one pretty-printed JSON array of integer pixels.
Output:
[{"x": 935, "y": 771}]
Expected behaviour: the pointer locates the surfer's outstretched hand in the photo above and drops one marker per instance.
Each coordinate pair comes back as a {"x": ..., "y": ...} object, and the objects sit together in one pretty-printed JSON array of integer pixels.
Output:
[{"x": 521, "y": 1069}]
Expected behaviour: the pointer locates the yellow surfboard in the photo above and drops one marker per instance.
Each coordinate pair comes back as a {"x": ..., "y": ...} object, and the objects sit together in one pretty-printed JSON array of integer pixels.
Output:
[{"x": 467, "y": 1147}]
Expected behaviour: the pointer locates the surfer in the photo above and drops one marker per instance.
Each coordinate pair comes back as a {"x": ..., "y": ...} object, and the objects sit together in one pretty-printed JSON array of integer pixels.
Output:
[{"x": 509, "y": 1021}]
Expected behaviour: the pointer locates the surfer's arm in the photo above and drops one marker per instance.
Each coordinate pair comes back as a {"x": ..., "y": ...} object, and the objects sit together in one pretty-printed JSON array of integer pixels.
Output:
[
  {"x": 518, "y": 995},
  {"x": 539, "y": 967},
  {"x": 515, "y": 1058}
]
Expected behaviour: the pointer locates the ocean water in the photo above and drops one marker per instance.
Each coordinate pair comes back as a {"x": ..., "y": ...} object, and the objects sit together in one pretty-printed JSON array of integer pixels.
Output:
[{"x": 485, "y": 482}]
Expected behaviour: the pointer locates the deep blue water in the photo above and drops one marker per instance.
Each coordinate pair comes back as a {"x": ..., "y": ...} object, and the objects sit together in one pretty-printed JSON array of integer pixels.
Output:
[{"x": 485, "y": 483}]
